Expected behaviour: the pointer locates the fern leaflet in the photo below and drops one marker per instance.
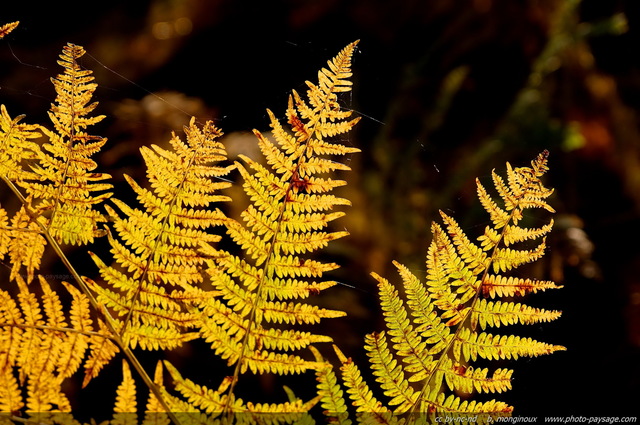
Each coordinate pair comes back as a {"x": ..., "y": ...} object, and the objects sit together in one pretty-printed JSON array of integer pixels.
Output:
[{"x": 7, "y": 28}]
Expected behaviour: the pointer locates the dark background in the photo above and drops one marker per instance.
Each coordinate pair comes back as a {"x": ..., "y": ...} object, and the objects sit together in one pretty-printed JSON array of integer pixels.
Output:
[{"x": 448, "y": 90}]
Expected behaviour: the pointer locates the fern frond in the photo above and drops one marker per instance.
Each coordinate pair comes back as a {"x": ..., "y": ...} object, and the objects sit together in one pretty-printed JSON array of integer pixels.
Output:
[
  {"x": 154, "y": 297},
  {"x": 41, "y": 345},
  {"x": 466, "y": 379},
  {"x": 11, "y": 399},
  {"x": 125, "y": 407},
  {"x": 26, "y": 245},
  {"x": 7, "y": 28},
  {"x": 66, "y": 186},
  {"x": 289, "y": 212},
  {"x": 470, "y": 345},
  {"x": 209, "y": 401},
  {"x": 430, "y": 351},
  {"x": 154, "y": 412},
  {"x": 78, "y": 343},
  {"x": 502, "y": 286},
  {"x": 102, "y": 351},
  {"x": 389, "y": 373},
  {"x": 16, "y": 146},
  {"x": 212, "y": 403},
  {"x": 406, "y": 340},
  {"x": 330, "y": 393},
  {"x": 498, "y": 313},
  {"x": 369, "y": 409},
  {"x": 5, "y": 233}
]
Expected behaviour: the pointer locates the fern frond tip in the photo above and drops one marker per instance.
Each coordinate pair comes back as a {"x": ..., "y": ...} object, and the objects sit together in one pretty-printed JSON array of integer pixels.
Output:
[{"x": 7, "y": 28}]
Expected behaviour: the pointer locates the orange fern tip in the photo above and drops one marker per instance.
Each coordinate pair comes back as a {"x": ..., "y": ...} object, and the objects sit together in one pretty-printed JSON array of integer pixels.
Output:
[
  {"x": 341, "y": 356},
  {"x": 494, "y": 286},
  {"x": 7, "y": 28}
]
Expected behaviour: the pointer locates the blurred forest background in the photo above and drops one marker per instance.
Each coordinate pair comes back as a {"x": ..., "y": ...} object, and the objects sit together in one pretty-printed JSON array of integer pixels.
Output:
[{"x": 448, "y": 90}]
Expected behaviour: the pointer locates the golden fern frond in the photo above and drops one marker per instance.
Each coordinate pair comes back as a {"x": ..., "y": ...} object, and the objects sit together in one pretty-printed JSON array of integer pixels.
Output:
[
  {"x": 5, "y": 233},
  {"x": 41, "y": 346},
  {"x": 423, "y": 359},
  {"x": 16, "y": 146},
  {"x": 126, "y": 405},
  {"x": 102, "y": 351},
  {"x": 330, "y": 393},
  {"x": 26, "y": 244},
  {"x": 154, "y": 411},
  {"x": 290, "y": 203},
  {"x": 7, "y": 28},
  {"x": 368, "y": 408},
  {"x": 213, "y": 402},
  {"x": 154, "y": 293},
  {"x": 66, "y": 186},
  {"x": 287, "y": 217},
  {"x": 22, "y": 240},
  {"x": 11, "y": 398}
]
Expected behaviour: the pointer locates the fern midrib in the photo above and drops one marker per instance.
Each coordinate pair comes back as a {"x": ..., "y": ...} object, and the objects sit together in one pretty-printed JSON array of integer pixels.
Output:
[
  {"x": 467, "y": 315},
  {"x": 253, "y": 322}
]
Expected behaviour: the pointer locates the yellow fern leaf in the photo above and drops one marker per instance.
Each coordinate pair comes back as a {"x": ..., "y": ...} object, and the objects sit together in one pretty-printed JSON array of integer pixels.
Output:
[
  {"x": 55, "y": 341},
  {"x": 11, "y": 399},
  {"x": 406, "y": 340},
  {"x": 5, "y": 233},
  {"x": 66, "y": 185},
  {"x": 368, "y": 406},
  {"x": 42, "y": 344},
  {"x": 468, "y": 379},
  {"x": 26, "y": 245},
  {"x": 78, "y": 342},
  {"x": 41, "y": 347},
  {"x": 502, "y": 286},
  {"x": 102, "y": 351},
  {"x": 210, "y": 401},
  {"x": 474, "y": 257},
  {"x": 389, "y": 373},
  {"x": 470, "y": 345},
  {"x": 287, "y": 219},
  {"x": 496, "y": 314},
  {"x": 330, "y": 393},
  {"x": 28, "y": 357},
  {"x": 160, "y": 246},
  {"x": 154, "y": 412},
  {"x": 10, "y": 394},
  {"x": 7, "y": 28},
  {"x": 16, "y": 146},
  {"x": 433, "y": 343},
  {"x": 505, "y": 259},
  {"x": 126, "y": 405},
  {"x": 11, "y": 331}
]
